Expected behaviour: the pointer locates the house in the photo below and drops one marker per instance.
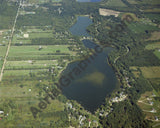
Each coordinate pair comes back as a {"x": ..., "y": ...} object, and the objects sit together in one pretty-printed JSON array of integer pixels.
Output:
[
  {"x": 69, "y": 105},
  {"x": 1, "y": 112},
  {"x": 153, "y": 110},
  {"x": 151, "y": 103},
  {"x": 156, "y": 118},
  {"x": 26, "y": 35}
]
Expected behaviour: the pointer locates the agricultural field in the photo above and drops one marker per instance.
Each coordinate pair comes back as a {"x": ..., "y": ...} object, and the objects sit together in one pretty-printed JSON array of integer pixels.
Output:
[
  {"x": 114, "y": 3},
  {"x": 153, "y": 46},
  {"x": 147, "y": 72},
  {"x": 157, "y": 53},
  {"x": 27, "y": 58},
  {"x": 29, "y": 68},
  {"x": 142, "y": 26},
  {"x": 153, "y": 17},
  {"x": 30, "y": 64},
  {"x": 151, "y": 72},
  {"x": 154, "y": 36},
  {"x": 132, "y": 1},
  {"x": 42, "y": 1},
  {"x": 152, "y": 10},
  {"x": 149, "y": 2},
  {"x": 3, "y": 45}
]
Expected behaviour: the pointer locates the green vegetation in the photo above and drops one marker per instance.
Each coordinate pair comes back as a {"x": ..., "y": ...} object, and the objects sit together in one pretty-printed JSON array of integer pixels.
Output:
[
  {"x": 115, "y": 3},
  {"x": 153, "y": 46},
  {"x": 42, "y": 47},
  {"x": 157, "y": 53}
]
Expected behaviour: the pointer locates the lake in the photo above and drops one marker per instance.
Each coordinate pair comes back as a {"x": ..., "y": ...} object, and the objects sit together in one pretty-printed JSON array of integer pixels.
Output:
[
  {"x": 97, "y": 81},
  {"x": 79, "y": 28}
]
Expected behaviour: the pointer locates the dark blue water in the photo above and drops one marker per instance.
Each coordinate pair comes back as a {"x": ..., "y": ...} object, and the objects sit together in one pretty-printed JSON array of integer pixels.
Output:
[
  {"x": 88, "y": 0},
  {"x": 91, "y": 85},
  {"x": 89, "y": 44},
  {"x": 79, "y": 28}
]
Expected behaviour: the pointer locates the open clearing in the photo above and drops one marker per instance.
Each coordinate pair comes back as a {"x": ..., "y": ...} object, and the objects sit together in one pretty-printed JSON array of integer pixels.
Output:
[
  {"x": 153, "y": 46},
  {"x": 155, "y": 36},
  {"x": 32, "y": 52},
  {"x": 42, "y": 1},
  {"x": 113, "y": 3},
  {"x": 147, "y": 72},
  {"x": 107, "y": 12},
  {"x": 141, "y": 27},
  {"x": 157, "y": 53},
  {"x": 151, "y": 72}
]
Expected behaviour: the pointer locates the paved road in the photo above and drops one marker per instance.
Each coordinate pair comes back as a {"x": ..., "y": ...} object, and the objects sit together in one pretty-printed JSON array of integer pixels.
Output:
[{"x": 10, "y": 41}]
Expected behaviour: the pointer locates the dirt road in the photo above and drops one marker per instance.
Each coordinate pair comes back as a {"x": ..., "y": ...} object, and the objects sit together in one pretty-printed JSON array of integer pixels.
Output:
[{"x": 10, "y": 41}]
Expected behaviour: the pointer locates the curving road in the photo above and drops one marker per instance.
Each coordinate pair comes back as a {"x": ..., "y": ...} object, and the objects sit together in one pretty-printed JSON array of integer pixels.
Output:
[{"x": 127, "y": 48}]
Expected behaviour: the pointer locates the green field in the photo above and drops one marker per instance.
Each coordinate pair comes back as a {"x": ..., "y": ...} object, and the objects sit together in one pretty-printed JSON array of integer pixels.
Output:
[
  {"x": 30, "y": 64},
  {"x": 153, "y": 46},
  {"x": 43, "y": 1},
  {"x": 2, "y": 54},
  {"x": 113, "y": 3},
  {"x": 141, "y": 27},
  {"x": 3, "y": 51},
  {"x": 10, "y": 92},
  {"x": 149, "y": 2},
  {"x": 21, "y": 72},
  {"x": 132, "y": 1},
  {"x": 157, "y": 53},
  {"x": 151, "y": 72},
  {"x": 33, "y": 52}
]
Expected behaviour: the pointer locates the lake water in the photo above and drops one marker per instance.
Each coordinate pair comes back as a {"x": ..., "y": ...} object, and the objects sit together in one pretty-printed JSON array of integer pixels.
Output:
[
  {"x": 98, "y": 79},
  {"x": 79, "y": 28},
  {"x": 88, "y": 0}
]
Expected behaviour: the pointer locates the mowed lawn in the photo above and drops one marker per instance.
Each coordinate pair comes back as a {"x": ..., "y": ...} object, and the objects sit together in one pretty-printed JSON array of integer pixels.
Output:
[
  {"x": 16, "y": 73},
  {"x": 17, "y": 92},
  {"x": 33, "y": 34},
  {"x": 30, "y": 64},
  {"x": 40, "y": 35},
  {"x": 33, "y": 50},
  {"x": 42, "y": 1},
  {"x": 151, "y": 72}
]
